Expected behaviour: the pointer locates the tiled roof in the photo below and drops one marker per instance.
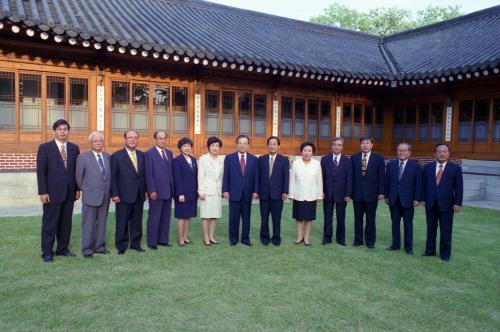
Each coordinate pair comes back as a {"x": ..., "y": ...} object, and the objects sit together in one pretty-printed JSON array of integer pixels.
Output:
[{"x": 205, "y": 32}]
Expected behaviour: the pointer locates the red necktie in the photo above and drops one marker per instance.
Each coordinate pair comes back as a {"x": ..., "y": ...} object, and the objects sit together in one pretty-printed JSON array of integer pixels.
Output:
[{"x": 243, "y": 164}]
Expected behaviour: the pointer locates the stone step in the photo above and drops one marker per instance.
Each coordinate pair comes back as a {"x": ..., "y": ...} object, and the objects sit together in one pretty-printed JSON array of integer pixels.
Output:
[
  {"x": 493, "y": 197},
  {"x": 474, "y": 184},
  {"x": 472, "y": 197}
]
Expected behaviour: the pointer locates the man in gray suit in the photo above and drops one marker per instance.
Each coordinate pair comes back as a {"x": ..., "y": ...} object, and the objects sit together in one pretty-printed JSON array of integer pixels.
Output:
[{"x": 93, "y": 176}]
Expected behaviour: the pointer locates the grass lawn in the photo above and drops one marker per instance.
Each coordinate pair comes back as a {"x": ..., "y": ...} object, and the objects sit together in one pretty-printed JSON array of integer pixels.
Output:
[{"x": 260, "y": 288}]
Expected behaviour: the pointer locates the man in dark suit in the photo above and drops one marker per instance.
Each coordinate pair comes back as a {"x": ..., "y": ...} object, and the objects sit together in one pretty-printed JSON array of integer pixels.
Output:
[
  {"x": 337, "y": 187},
  {"x": 128, "y": 191},
  {"x": 404, "y": 179},
  {"x": 442, "y": 194},
  {"x": 273, "y": 172},
  {"x": 368, "y": 188},
  {"x": 160, "y": 190},
  {"x": 93, "y": 176},
  {"x": 239, "y": 186},
  {"x": 55, "y": 170}
]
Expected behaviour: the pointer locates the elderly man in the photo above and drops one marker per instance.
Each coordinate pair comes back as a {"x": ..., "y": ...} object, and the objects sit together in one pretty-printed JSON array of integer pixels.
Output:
[
  {"x": 239, "y": 185},
  {"x": 337, "y": 187},
  {"x": 93, "y": 176},
  {"x": 404, "y": 179},
  {"x": 442, "y": 194},
  {"x": 128, "y": 192}
]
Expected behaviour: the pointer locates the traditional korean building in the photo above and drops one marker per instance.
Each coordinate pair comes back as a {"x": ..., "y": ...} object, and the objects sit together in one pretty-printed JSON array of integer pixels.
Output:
[{"x": 200, "y": 69}]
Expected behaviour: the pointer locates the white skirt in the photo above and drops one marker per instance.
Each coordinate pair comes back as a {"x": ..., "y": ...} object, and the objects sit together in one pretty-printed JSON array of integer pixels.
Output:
[{"x": 211, "y": 207}]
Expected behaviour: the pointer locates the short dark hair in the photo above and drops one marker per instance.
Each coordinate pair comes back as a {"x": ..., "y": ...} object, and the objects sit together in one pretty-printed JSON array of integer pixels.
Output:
[
  {"x": 441, "y": 144},
  {"x": 159, "y": 131},
  {"x": 60, "y": 122},
  {"x": 366, "y": 138},
  {"x": 311, "y": 144},
  {"x": 184, "y": 140},
  {"x": 273, "y": 137},
  {"x": 130, "y": 131},
  {"x": 213, "y": 139},
  {"x": 242, "y": 136}
]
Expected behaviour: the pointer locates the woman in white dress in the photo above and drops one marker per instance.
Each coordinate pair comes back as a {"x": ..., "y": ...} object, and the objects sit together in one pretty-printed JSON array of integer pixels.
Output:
[
  {"x": 305, "y": 190},
  {"x": 210, "y": 171}
]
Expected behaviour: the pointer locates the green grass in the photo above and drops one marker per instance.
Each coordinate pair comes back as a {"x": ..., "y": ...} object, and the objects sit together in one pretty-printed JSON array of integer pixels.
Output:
[{"x": 259, "y": 288}]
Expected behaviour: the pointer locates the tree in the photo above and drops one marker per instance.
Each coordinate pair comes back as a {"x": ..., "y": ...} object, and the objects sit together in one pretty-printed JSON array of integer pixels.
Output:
[{"x": 383, "y": 21}]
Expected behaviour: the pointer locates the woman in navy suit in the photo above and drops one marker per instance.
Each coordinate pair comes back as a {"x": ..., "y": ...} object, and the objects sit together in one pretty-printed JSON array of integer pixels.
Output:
[{"x": 185, "y": 172}]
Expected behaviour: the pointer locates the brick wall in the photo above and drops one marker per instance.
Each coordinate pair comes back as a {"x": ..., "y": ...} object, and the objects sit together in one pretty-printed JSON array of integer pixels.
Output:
[{"x": 17, "y": 162}]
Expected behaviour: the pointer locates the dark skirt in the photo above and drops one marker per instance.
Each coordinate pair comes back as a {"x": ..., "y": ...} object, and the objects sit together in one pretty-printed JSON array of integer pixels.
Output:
[
  {"x": 185, "y": 210},
  {"x": 303, "y": 210}
]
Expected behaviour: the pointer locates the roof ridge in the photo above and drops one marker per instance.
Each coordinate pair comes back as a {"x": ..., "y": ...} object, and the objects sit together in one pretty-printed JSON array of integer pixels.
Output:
[
  {"x": 444, "y": 24},
  {"x": 389, "y": 59}
]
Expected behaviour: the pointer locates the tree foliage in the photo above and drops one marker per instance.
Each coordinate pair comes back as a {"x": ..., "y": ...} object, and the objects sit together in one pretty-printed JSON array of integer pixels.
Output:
[{"x": 383, "y": 21}]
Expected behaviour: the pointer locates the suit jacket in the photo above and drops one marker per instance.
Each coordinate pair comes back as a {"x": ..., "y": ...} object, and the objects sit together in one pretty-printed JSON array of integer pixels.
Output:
[
  {"x": 210, "y": 173},
  {"x": 450, "y": 190},
  {"x": 96, "y": 189},
  {"x": 367, "y": 188},
  {"x": 239, "y": 186},
  {"x": 276, "y": 185},
  {"x": 306, "y": 181},
  {"x": 159, "y": 173},
  {"x": 185, "y": 178},
  {"x": 409, "y": 188},
  {"x": 52, "y": 177},
  {"x": 339, "y": 185},
  {"x": 126, "y": 182}
]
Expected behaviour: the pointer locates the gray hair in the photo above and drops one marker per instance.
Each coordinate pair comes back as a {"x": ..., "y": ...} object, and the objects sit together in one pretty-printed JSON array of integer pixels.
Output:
[
  {"x": 408, "y": 146},
  {"x": 338, "y": 139},
  {"x": 94, "y": 134}
]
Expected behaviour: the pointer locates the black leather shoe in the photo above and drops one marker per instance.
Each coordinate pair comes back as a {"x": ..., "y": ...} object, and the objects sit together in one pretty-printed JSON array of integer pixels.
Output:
[
  {"x": 409, "y": 252},
  {"x": 48, "y": 258},
  {"x": 165, "y": 244},
  {"x": 103, "y": 252},
  {"x": 370, "y": 246},
  {"x": 428, "y": 254},
  {"x": 66, "y": 254},
  {"x": 249, "y": 244},
  {"x": 121, "y": 252},
  {"x": 445, "y": 259},
  {"x": 326, "y": 243},
  {"x": 153, "y": 247},
  {"x": 265, "y": 243},
  {"x": 88, "y": 256},
  {"x": 391, "y": 248},
  {"x": 341, "y": 243},
  {"x": 139, "y": 249},
  {"x": 357, "y": 244}
]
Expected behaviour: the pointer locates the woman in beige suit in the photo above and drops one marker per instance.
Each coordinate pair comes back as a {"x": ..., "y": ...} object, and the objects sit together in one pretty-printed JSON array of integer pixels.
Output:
[
  {"x": 305, "y": 190},
  {"x": 210, "y": 169}
]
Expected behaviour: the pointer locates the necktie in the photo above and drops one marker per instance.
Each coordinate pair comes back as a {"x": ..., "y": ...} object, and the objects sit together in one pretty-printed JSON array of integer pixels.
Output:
[
  {"x": 335, "y": 163},
  {"x": 101, "y": 165},
  {"x": 164, "y": 155},
  {"x": 439, "y": 174},
  {"x": 133, "y": 156},
  {"x": 401, "y": 169},
  {"x": 64, "y": 156},
  {"x": 363, "y": 164},
  {"x": 243, "y": 164},
  {"x": 271, "y": 164}
]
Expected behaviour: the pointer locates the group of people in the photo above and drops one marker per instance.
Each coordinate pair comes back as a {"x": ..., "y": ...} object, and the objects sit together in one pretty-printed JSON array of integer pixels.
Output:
[{"x": 129, "y": 177}]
